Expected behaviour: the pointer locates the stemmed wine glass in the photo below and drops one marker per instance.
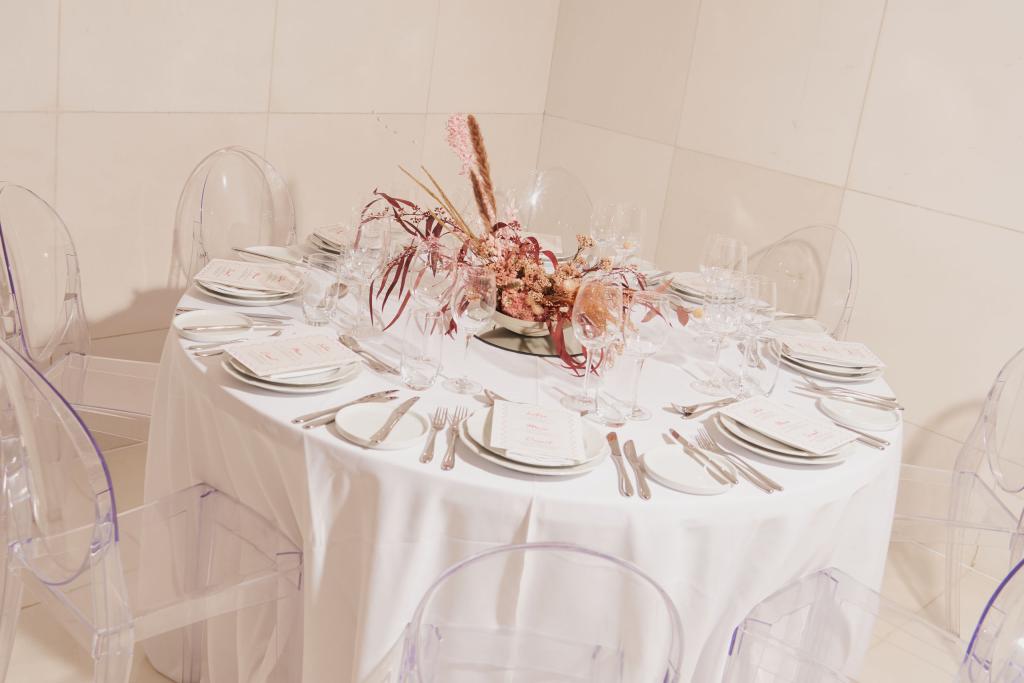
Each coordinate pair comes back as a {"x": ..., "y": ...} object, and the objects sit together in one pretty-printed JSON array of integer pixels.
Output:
[
  {"x": 758, "y": 308},
  {"x": 365, "y": 249},
  {"x": 432, "y": 274},
  {"x": 597, "y": 323},
  {"x": 644, "y": 330},
  {"x": 616, "y": 229},
  {"x": 722, "y": 252},
  {"x": 722, "y": 314},
  {"x": 474, "y": 298}
]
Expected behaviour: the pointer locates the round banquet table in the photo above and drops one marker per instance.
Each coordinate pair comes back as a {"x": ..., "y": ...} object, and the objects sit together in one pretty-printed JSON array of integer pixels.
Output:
[{"x": 377, "y": 527}]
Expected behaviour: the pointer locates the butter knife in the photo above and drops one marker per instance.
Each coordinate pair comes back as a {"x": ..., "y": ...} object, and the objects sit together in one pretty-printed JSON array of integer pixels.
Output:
[
  {"x": 392, "y": 420},
  {"x": 719, "y": 470},
  {"x": 327, "y": 411},
  {"x": 638, "y": 470},
  {"x": 625, "y": 487},
  {"x": 329, "y": 417}
]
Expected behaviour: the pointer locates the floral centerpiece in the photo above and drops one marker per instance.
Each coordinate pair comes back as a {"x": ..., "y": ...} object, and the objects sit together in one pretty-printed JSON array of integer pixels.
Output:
[{"x": 533, "y": 286}]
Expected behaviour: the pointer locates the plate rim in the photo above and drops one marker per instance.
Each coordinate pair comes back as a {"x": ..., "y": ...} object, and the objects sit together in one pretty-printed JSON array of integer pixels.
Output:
[
  {"x": 496, "y": 459},
  {"x": 793, "y": 451},
  {"x": 290, "y": 389},
  {"x": 721, "y": 488},
  {"x": 488, "y": 411},
  {"x": 352, "y": 438},
  {"x": 824, "y": 400},
  {"x": 788, "y": 459}
]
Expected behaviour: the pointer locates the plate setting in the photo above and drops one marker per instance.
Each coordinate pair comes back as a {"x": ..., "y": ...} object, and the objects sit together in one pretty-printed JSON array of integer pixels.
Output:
[{"x": 360, "y": 423}]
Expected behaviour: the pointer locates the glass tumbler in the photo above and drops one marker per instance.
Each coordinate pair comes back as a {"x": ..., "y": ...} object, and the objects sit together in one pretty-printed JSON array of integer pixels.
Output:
[
  {"x": 319, "y": 288},
  {"x": 421, "y": 348}
]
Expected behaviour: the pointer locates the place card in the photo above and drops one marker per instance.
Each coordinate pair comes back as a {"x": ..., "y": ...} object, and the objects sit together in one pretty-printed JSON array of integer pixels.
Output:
[
  {"x": 291, "y": 355},
  {"x": 830, "y": 351},
  {"x": 264, "y": 277},
  {"x": 543, "y": 434},
  {"x": 789, "y": 426}
]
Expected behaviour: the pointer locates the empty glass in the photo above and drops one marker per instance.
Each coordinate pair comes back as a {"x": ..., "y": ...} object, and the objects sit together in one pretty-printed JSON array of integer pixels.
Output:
[
  {"x": 760, "y": 365},
  {"x": 319, "y": 288},
  {"x": 597, "y": 322},
  {"x": 432, "y": 274},
  {"x": 722, "y": 252},
  {"x": 365, "y": 255},
  {"x": 722, "y": 315},
  {"x": 644, "y": 331},
  {"x": 421, "y": 348},
  {"x": 474, "y": 299},
  {"x": 616, "y": 229}
]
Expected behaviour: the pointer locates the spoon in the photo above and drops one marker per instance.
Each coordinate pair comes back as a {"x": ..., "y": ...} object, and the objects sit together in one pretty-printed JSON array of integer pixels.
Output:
[{"x": 697, "y": 408}]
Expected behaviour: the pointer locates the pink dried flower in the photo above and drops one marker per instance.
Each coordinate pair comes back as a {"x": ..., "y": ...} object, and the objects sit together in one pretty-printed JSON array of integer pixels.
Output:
[{"x": 460, "y": 142}]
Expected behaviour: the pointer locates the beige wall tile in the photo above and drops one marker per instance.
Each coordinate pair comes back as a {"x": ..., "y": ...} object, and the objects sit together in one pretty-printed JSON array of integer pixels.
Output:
[
  {"x": 708, "y": 194},
  {"x": 613, "y": 167},
  {"x": 333, "y": 162},
  {"x": 28, "y": 51},
  {"x": 623, "y": 65},
  {"x": 166, "y": 55},
  {"x": 936, "y": 300},
  {"x": 353, "y": 56},
  {"x": 942, "y": 119},
  {"x": 780, "y": 84},
  {"x": 492, "y": 56},
  {"x": 26, "y": 151},
  {"x": 119, "y": 177}
]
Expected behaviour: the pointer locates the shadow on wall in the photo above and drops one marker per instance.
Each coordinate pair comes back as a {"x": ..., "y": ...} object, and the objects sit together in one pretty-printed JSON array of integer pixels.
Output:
[
  {"x": 148, "y": 310},
  {"x": 924, "y": 448}
]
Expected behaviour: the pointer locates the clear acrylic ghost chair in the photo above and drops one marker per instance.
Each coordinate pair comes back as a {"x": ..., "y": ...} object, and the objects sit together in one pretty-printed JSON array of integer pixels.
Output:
[
  {"x": 971, "y": 515},
  {"x": 817, "y": 272},
  {"x": 43, "y": 317},
  {"x": 829, "y": 628},
  {"x": 233, "y": 199},
  {"x": 550, "y": 612},
  {"x": 196, "y": 571},
  {"x": 995, "y": 653},
  {"x": 555, "y": 202}
]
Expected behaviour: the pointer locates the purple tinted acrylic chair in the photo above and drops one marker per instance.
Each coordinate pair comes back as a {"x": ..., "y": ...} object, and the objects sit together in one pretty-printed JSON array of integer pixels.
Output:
[
  {"x": 996, "y": 650},
  {"x": 548, "y": 612},
  {"x": 195, "y": 569}
]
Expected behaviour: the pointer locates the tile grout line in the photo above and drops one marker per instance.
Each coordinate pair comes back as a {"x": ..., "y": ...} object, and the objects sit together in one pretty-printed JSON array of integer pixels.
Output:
[
  {"x": 547, "y": 93},
  {"x": 270, "y": 78},
  {"x": 430, "y": 81},
  {"x": 56, "y": 103}
]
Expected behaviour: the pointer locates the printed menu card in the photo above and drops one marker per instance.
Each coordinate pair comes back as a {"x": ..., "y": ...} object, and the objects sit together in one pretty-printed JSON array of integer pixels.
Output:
[
  {"x": 828, "y": 350},
  {"x": 266, "y": 277},
  {"x": 789, "y": 426},
  {"x": 291, "y": 355},
  {"x": 545, "y": 435}
]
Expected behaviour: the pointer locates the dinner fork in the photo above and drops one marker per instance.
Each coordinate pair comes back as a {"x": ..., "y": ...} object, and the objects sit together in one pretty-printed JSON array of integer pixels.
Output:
[
  {"x": 460, "y": 414},
  {"x": 437, "y": 423},
  {"x": 753, "y": 475}
]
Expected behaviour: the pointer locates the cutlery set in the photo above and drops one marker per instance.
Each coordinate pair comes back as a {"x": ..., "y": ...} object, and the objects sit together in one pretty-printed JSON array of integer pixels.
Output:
[{"x": 631, "y": 457}]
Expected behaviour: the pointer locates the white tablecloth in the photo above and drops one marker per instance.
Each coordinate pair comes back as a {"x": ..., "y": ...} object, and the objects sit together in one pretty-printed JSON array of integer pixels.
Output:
[{"x": 377, "y": 527}]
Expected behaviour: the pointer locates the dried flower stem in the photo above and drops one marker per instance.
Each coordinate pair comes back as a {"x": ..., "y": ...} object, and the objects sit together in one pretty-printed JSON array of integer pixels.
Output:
[
  {"x": 456, "y": 218},
  {"x": 483, "y": 166}
]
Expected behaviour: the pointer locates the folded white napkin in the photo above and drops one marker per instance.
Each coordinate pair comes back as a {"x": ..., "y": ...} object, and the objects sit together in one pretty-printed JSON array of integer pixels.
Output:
[{"x": 831, "y": 352}]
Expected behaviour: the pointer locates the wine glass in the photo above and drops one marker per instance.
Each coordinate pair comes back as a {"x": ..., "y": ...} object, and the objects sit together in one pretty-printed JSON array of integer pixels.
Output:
[
  {"x": 722, "y": 252},
  {"x": 758, "y": 308},
  {"x": 474, "y": 298},
  {"x": 364, "y": 255},
  {"x": 722, "y": 316},
  {"x": 432, "y": 273},
  {"x": 604, "y": 229},
  {"x": 644, "y": 331},
  {"x": 597, "y": 323},
  {"x": 319, "y": 288}
]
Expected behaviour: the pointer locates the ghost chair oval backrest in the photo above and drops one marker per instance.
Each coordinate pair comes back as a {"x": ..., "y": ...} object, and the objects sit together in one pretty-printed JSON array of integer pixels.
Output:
[
  {"x": 816, "y": 273},
  {"x": 555, "y": 202},
  {"x": 233, "y": 199},
  {"x": 543, "y": 611}
]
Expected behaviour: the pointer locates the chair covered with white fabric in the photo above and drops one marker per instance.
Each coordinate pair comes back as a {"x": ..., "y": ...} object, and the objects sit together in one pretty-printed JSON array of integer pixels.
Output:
[
  {"x": 971, "y": 516},
  {"x": 190, "y": 568},
  {"x": 233, "y": 199},
  {"x": 555, "y": 202},
  {"x": 816, "y": 272},
  {"x": 550, "y": 612},
  {"x": 830, "y": 628},
  {"x": 42, "y": 316}
]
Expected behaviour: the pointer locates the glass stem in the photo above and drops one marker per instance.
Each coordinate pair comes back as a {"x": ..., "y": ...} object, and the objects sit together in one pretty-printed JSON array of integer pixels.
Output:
[
  {"x": 719, "y": 373},
  {"x": 636, "y": 383},
  {"x": 465, "y": 356},
  {"x": 586, "y": 376}
]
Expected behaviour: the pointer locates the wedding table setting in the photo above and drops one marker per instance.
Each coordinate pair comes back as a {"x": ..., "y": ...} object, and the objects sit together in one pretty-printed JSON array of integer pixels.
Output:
[{"x": 400, "y": 393}]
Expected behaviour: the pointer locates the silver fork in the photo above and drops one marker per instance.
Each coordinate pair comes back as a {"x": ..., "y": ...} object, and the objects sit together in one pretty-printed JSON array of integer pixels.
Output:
[
  {"x": 755, "y": 476},
  {"x": 460, "y": 414},
  {"x": 437, "y": 423}
]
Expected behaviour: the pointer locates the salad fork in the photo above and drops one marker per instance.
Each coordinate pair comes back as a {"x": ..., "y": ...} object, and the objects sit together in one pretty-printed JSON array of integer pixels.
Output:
[
  {"x": 437, "y": 423},
  {"x": 460, "y": 414}
]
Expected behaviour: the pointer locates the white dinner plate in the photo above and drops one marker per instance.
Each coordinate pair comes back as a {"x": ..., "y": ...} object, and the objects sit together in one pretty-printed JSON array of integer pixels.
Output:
[
  {"x": 843, "y": 370},
  {"x": 755, "y": 437},
  {"x": 359, "y": 422},
  {"x": 803, "y": 327},
  {"x": 289, "y": 254},
  {"x": 772, "y": 455},
  {"x": 859, "y": 416},
  {"x": 198, "y": 318},
  {"x": 313, "y": 378},
  {"x": 670, "y": 466},
  {"x": 289, "y": 389},
  {"x": 323, "y": 245},
  {"x": 245, "y": 302},
  {"x": 831, "y": 377},
  {"x": 492, "y": 457},
  {"x": 479, "y": 427},
  {"x": 240, "y": 293}
]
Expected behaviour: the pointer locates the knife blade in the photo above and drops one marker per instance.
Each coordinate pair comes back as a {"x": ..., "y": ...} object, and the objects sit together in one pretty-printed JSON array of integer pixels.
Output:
[
  {"x": 625, "y": 486},
  {"x": 392, "y": 420},
  {"x": 721, "y": 471},
  {"x": 328, "y": 417},
  {"x": 638, "y": 470},
  {"x": 320, "y": 413}
]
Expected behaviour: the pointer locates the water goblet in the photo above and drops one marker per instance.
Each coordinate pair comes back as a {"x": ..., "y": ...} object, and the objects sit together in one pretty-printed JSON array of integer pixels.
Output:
[
  {"x": 319, "y": 288},
  {"x": 474, "y": 299},
  {"x": 597, "y": 323},
  {"x": 721, "y": 319},
  {"x": 432, "y": 274},
  {"x": 645, "y": 328}
]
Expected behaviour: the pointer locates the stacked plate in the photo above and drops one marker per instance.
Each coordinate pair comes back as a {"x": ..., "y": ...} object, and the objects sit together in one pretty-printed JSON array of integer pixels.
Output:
[
  {"x": 765, "y": 446},
  {"x": 327, "y": 239},
  {"x": 221, "y": 279},
  {"x": 689, "y": 286},
  {"x": 303, "y": 382},
  {"x": 476, "y": 434},
  {"x": 833, "y": 368}
]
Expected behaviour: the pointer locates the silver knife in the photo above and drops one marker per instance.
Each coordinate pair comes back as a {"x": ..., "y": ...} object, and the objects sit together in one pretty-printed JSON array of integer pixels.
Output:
[
  {"x": 638, "y": 470},
  {"x": 625, "y": 487},
  {"x": 721, "y": 471},
  {"x": 328, "y": 418},
  {"x": 392, "y": 420},
  {"x": 326, "y": 411}
]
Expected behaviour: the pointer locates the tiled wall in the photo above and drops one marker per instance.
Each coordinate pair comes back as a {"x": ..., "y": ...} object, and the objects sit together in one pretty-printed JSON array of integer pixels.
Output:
[
  {"x": 900, "y": 121},
  {"x": 106, "y": 105}
]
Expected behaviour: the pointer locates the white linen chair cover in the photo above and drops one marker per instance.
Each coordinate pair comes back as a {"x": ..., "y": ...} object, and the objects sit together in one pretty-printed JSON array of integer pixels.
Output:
[
  {"x": 184, "y": 567},
  {"x": 972, "y": 514},
  {"x": 232, "y": 199},
  {"x": 816, "y": 272},
  {"x": 555, "y": 202},
  {"x": 551, "y": 612},
  {"x": 821, "y": 628},
  {"x": 42, "y": 315}
]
